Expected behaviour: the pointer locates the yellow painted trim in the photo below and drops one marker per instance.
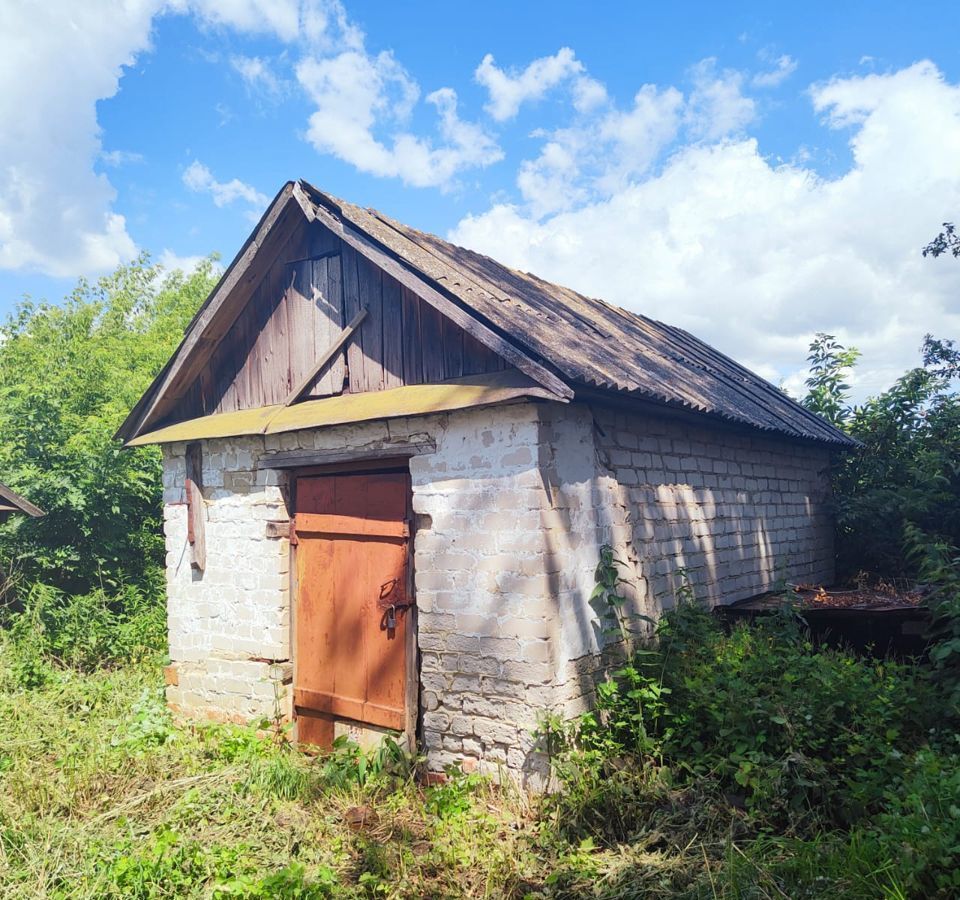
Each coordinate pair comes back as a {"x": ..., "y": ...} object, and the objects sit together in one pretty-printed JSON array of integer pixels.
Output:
[{"x": 414, "y": 400}]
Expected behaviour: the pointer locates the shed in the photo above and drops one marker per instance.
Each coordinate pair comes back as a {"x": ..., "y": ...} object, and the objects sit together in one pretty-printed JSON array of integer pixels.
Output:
[
  {"x": 11, "y": 502},
  {"x": 390, "y": 465}
]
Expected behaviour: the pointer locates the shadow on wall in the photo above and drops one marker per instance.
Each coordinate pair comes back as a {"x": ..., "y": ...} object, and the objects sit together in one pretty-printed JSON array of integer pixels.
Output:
[{"x": 732, "y": 521}]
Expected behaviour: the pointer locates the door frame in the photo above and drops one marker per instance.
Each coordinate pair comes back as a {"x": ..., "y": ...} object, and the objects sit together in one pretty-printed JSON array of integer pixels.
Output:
[{"x": 412, "y": 674}]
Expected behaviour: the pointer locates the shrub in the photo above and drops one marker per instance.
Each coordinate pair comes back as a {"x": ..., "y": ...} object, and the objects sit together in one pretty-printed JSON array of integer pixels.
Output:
[
  {"x": 85, "y": 632},
  {"x": 918, "y": 831},
  {"x": 800, "y": 736},
  {"x": 905, "y": 469}
]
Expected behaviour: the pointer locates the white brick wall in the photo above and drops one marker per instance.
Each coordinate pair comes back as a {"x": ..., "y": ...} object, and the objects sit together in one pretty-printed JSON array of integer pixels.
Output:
[
  {"x": 512, "y": 509},
  {"x": 739, "y": 512}
]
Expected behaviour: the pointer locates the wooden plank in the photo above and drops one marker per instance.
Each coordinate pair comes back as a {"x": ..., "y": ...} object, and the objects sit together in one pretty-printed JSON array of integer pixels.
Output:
[
  {"x": 278, "y": 528},
  {"x": 320, "y": 523},
  {"x": 328, "y": 316},
  {"x": 349, "y": 663},
  {"x": 326, "y": 326},
  {"x": 479, "y": 359},
  {"x": 216, "y": 316},
  {"x": 432, "y": 297},
  {"x": 332, "y": 351},
  {"x": 412, "y": 355},
  {"x": 452, "y": 349},
  {"x": 322, "y": 241},
  {"x": 371, "y": 334},
  {"x": 196, "y": 509},
  {"x": 240, "y": 339},
  {"x": 431, "y": 343},
  {"x": 300, "y": 320},
  {"x": 351, "y": 306},
  {"x": 334, "y": 299},
  {"x": 319, "y": 703},
  {"x": 323, "y": 249},
  {"x": 392, "y": 334},
  {"x": 295, "y": 459},
  {"x": 270, "y": 349}
]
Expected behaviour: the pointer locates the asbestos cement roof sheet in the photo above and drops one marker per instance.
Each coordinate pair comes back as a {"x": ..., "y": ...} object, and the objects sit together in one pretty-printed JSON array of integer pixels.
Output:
[{"x": 586, "y": 340}]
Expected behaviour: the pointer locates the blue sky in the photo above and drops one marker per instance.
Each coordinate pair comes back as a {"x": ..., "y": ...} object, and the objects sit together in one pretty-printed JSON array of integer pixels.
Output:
[{"x": 754, "y": 173}]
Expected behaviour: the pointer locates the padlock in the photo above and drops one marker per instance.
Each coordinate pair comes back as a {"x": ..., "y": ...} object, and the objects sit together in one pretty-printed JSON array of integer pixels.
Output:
[{"x": 391, "y": 618}]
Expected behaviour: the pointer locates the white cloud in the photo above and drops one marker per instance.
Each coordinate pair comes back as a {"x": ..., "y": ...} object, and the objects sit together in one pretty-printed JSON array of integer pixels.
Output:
[
  {"x": 588, "y": 94},
  {"x": 198, "y": 178},
  {"x": 357, "y": 94},
  {"x": 56, "y": 61},
  {"x": 120, "y": 157},
  {"x": 57, "y": 212},
  {"x": 172, "y": 262},
  {"x": 606, "y": 147},
  {"x": 600, "y": 153},
  {"x": 509, "y": 91},
  {"x": 717, "y": 106},
  {"x": 281, "y": 18},
  {"x": 784, "y": 67},
  {"x": 755, "y": 257},
  {"x": 258, "y": 75}
]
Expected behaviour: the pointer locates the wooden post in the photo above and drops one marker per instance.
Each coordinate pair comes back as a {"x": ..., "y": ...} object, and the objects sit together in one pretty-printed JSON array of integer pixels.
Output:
[{"x": 196, "y": 510}]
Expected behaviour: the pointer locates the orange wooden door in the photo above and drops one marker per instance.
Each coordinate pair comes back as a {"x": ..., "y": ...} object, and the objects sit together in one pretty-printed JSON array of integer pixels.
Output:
[{"x": 352, "y": 537}]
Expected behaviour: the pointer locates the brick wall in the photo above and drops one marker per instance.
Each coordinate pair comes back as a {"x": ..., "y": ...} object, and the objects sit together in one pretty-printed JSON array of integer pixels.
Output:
[
  {"x": 738, "y": 512},
  {"x": 511, "y": 510},
  {"x": 225, "y": 625}
]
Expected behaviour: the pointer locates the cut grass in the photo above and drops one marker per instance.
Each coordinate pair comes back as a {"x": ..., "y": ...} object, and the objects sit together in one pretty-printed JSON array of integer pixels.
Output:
[{"x": 102, "y": 795}]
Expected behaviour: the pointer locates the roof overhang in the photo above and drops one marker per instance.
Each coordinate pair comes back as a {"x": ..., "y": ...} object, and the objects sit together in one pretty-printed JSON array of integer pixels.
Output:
[
  {"x": 413, "y": 400},
  {"x": 11, "y": 501}
]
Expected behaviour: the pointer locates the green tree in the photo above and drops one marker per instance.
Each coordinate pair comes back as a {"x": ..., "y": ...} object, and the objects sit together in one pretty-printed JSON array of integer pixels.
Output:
[
  {"x": 69, "y": 374},
  {"x": 827, "y": 388},
  {"x": 948, "y": 241},
  {"x": 907, "y": 468}
]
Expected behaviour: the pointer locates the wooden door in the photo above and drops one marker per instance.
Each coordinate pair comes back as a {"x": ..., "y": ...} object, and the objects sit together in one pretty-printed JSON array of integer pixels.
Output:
[{"x": 352, "y": 538}]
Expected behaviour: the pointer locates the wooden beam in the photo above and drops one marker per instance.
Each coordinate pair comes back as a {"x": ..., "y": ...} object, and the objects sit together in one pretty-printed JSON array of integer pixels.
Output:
[
  {"x": 486, "y": 336},
  {"x": 241, "y": 277},
  {"x": 328, "y": 354},
  {"x": 295, "y": 459},
  {"x": 196, "y": 509}
]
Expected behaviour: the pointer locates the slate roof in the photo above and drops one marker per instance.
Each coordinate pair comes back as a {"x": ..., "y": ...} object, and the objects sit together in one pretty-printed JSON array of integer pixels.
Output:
[{"x": 587, "y": 341}]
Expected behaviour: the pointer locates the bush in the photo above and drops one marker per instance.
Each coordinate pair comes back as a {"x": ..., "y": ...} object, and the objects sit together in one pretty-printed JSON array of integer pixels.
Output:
[
  {"x": 802, "y": 737},
  {"x": 905, "y": 470},
  {"x": 85, "y": 632},
  {"x": 919, "y": 830}
]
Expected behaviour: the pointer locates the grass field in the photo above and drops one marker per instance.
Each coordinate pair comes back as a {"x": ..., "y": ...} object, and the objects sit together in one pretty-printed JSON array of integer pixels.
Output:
[{"x": 103, "y": 795}]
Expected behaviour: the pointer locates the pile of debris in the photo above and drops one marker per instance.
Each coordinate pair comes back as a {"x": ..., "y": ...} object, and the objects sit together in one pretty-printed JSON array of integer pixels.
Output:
[{"x": 880, "y": 596}]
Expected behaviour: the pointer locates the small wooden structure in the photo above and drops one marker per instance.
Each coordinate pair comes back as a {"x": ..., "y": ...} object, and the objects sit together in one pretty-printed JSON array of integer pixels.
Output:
[
  {"x": 11, "y": 502},
  {"x": 390, "y": 465}
]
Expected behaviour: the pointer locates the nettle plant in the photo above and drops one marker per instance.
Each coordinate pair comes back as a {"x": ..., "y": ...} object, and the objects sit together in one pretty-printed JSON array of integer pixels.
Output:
[
  {"x": 619, "y": 622},
  {"x": 631, "y": 699}
]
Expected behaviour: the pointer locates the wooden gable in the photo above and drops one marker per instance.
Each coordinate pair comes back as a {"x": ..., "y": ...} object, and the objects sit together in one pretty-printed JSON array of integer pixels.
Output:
[
  {"x": 312, "y": 289},
  {"x": 312, "y": 308}
]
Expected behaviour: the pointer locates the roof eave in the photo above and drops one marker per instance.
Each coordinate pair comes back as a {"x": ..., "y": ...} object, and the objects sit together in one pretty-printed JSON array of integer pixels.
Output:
[{"x": 657, "y": 406}]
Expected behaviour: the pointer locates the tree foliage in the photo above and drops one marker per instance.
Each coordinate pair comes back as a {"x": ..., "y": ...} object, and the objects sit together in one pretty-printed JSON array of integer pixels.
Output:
[
  {"x": 827, "y": 387},
  {"x": 69, "y": 374},
  {"x": 907, "y": 468},
  {"x": 948, "y": 241}
]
